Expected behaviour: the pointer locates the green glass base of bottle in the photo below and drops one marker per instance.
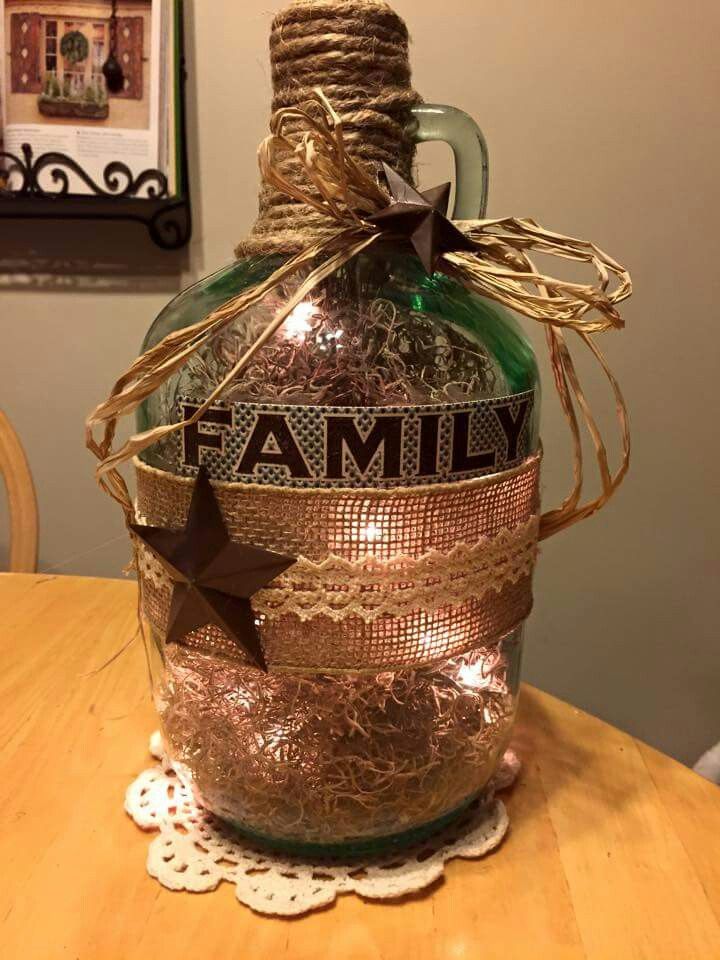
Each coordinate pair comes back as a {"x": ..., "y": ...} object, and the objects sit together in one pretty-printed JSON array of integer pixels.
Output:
[{"x": 360, "y": 847}]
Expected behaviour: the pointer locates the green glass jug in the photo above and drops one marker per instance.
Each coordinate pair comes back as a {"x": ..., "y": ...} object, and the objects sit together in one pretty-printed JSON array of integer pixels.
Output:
[{"x": 260, "y": 750}]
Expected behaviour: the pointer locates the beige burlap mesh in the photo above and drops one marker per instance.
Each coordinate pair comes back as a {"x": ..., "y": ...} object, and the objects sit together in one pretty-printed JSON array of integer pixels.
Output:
[
  {"x": 407, "y": 521},
  {"x": 371, "y": 588},
  {"x": 446, "y": 567},
  {"x": 390, "y": 643}
]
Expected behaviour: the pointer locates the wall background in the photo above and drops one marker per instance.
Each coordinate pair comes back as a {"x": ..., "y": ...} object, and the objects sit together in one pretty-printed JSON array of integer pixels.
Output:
[{"x": 601, "y": 127}]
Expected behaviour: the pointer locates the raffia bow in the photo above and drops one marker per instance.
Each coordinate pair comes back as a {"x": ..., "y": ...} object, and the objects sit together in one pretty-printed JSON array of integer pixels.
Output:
[{"x": 499, "y": 268}]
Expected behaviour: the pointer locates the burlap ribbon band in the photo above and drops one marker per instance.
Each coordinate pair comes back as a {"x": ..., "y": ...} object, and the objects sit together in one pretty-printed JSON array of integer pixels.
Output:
[{"x": 450, "y": 568}]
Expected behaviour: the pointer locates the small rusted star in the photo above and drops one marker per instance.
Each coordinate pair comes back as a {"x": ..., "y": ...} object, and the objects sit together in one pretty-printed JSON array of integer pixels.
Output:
[
  {"x": 422, "y": 219},
  {"x": 213, "y": 577}
]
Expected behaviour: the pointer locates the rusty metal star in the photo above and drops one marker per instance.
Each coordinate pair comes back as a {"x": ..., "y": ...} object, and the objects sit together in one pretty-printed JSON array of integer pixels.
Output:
[
  {"x": 422, "y": 219},
  {"x": 213, "y": 577}
]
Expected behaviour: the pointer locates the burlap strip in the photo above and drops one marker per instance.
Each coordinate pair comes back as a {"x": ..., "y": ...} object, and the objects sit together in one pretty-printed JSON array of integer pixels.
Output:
[{"x": 384, "y": 579}]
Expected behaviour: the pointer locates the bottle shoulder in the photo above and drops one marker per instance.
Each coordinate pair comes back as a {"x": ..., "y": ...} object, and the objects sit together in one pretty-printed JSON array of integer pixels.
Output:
[
  {"x": 202, "y": 297},
  {"x": 380, "y": 310}
]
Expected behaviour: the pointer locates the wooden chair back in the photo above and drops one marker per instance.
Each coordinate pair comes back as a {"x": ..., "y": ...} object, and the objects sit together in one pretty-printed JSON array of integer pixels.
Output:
[{"x": 15, "y": 470}]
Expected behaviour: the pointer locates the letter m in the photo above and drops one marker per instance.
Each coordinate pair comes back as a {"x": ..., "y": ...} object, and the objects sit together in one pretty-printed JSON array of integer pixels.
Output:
[{"x": 385, "y": 439}]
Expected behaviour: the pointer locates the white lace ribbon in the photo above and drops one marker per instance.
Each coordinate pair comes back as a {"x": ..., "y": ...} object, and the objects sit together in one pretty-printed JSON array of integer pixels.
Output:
[{"x": 370, "y": 587}]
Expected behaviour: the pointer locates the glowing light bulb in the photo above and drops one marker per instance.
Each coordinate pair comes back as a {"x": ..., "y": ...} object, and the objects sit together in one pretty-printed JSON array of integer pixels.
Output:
[
  {"x": 472, "y": 675},
  {"x": 485, "y": 674},
  {"x": 296, "y": 324},
  {"x": 427, "y": 640},
  {"x": 371, "y": 533}
]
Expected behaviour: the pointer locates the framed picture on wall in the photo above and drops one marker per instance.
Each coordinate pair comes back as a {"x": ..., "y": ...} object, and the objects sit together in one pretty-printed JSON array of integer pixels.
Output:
[{"x": 92, "y": 103}]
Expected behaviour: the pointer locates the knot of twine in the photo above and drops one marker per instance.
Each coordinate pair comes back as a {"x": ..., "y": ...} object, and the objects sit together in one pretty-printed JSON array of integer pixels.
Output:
[
  {"x": 358, "y": 51},
  {"x": 344, "y": 195}
]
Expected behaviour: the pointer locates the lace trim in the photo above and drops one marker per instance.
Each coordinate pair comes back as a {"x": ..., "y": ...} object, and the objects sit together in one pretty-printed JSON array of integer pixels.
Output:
[{"x": 371, "y": 588}]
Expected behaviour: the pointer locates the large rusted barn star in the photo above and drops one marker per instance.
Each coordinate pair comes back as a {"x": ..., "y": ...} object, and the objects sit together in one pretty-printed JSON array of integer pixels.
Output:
[{"x": 213, "y": 577}]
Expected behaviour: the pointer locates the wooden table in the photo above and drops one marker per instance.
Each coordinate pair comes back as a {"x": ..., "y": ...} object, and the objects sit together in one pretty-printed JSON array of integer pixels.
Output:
[{"x": 613, "y": 850}]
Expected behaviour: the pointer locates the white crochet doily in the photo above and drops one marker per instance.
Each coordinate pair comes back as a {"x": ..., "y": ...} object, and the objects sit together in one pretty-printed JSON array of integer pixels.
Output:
[{"x": 195, "y": 851}]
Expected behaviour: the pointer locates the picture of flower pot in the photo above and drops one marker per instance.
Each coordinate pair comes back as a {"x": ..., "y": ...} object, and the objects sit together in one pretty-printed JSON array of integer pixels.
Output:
[{"x": 74, "y": 97}]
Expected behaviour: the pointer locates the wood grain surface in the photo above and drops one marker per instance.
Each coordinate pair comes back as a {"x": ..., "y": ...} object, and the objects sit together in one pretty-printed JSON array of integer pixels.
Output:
[{"x": 613, "y": 850}]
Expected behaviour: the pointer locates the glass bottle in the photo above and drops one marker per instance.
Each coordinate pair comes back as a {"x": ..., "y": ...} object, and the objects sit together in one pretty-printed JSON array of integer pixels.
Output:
[{"x": 263, "y": 750}]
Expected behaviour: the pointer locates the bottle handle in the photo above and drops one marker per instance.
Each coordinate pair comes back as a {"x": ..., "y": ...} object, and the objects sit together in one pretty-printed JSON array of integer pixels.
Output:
[{"x": 435, "y": 121}]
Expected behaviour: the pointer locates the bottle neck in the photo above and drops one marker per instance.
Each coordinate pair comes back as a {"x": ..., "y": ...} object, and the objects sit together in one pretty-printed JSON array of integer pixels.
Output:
[{"x": 356, "y": 51}]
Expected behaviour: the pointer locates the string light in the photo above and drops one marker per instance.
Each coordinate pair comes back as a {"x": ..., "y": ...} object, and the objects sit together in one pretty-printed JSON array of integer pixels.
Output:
[
  {"x": 475, "y": 675},
  {"x": 297, "y": 324},
  {"x": 371, "y": 533}
]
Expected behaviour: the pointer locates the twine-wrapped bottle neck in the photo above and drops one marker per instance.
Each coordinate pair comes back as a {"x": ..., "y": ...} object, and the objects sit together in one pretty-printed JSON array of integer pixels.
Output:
[{"x": 357, "y": 52}]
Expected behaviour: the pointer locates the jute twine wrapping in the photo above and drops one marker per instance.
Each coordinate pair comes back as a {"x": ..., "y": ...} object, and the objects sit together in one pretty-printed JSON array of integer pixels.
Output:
[{"x": 358, "y": 51}]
